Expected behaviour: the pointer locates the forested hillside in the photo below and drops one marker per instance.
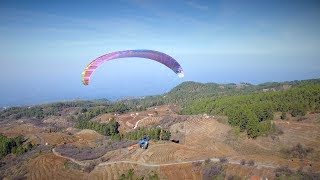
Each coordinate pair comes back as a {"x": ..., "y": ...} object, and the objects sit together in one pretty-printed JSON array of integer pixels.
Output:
[
  {"x": 253, "y": 112},
  {"x": 189, "y": 91}
]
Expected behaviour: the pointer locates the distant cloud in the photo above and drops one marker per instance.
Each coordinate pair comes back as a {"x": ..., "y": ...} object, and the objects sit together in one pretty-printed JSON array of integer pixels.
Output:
[{"x": 197, "y": 6}]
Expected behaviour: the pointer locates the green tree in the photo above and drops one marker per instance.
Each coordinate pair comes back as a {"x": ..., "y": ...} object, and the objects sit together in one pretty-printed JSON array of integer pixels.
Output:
[{"x": 252, "y": 125}]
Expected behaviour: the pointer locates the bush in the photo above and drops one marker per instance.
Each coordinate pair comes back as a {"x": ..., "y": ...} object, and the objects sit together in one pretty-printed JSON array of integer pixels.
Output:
[
  {"x": 283, "y": 171},
  {"x": 207, "y": 161},
  {"x": 70, "y": 164},
  {"x": 243, "y": 162},
  {"x": 128, "y": 176},
  {"x": 153, "y": 176},
  {"x": 213, "y": 171},
  {"x": 297, "y": 151},
  {"x": 89, "y": 167},
  {"x": 283, "y": 115},
  {"x": 250, "y": 163},
  {"x": 223, "y": 160}
]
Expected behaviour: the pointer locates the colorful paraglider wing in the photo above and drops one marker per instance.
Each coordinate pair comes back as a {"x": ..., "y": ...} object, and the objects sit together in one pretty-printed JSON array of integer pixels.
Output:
[{"x": 148, "y": 54}]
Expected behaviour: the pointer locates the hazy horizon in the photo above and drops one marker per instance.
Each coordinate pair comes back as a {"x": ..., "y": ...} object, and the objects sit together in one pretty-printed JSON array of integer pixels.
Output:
[{"x": 46, "y": 45}]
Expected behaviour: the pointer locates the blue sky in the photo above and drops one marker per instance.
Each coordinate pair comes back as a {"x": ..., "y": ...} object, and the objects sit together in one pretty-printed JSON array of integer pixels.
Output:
[{"x": 46, "y": 45}]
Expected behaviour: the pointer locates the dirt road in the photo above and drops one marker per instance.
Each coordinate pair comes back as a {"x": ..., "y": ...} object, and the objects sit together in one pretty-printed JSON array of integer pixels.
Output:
[
  {"x": 230, "y": 161},
  {"x": 136, "y": 125}
]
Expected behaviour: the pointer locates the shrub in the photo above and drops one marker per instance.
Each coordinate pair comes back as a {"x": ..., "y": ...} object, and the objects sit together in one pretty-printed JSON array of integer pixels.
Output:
[
  {"x": 243, "y": 162},
  {"x": 283, "y": 115},
  {"x": 89, "y": 168},
  {"x": 207, "y": 161},
  {"x": 297, "y": 151},
  {"x": 283, "y": 171},
  {"x": 153, "y": 176},
  {"x": 250, "y": 163},
  {"x": 130, "y": 173},
  {"x": 213, "y": 171},
  {"x": 223, "y": 160}
]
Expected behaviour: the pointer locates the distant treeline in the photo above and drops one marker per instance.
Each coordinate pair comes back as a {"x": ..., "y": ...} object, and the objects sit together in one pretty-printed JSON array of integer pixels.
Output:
[
  {"x": 253, "y": 112},
  {"x": 30, "y": 112},
  {"x": 87, "y": 109},
  {"x": 41, "y": 111},
  {"x": 89, "y": 113},
  {"x": 13, "y": 145}
]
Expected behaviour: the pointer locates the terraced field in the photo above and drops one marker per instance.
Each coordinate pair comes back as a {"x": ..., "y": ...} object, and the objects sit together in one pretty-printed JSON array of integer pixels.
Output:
[
  {"x": 88, "y": 138},
  {"x": 247, "y": 171},
  {"x": 207, "y": 134},
  {"x": 115, "y": 170},
  {"x": 165, "y": 153},
  {"x": 20, "y": 129},
  {"x": 183, "y": 171},
  {"x": 57, "y": 138},
  {"x": 49, "y": 166},
  {"x": 305, "y": 133}
]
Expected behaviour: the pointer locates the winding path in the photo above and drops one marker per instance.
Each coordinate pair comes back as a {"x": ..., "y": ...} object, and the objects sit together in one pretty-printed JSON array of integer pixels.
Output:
[
  {"x": 69, "y": 158},
  {"x": 184, "y": 162}
]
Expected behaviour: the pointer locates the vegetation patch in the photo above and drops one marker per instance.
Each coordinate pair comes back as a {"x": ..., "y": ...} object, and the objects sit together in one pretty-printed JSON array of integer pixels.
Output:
[
  {"x": 213, "y": 170},
  {"x": 284, "y": 172},
  {"x": 13, "y": 145},
  {"x": 109, "y": 129},
  {"x": 72, "y": 165},
  {"x": 153, "y": 133},
  {"x": 297, "y": 151},
  {"x": 130, "y": 175}
]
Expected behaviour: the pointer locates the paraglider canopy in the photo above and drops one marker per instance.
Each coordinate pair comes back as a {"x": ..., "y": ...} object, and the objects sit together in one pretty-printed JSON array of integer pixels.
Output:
[{"x": 148, "y": 54}]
